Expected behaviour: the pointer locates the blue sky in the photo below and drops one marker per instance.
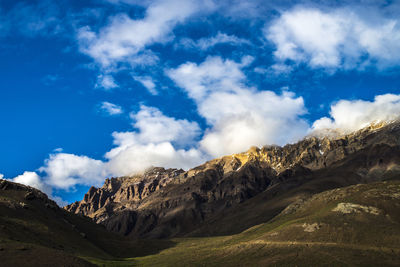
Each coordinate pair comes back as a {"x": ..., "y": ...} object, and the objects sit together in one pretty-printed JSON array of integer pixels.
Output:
[{"x": 96, "y": 89}]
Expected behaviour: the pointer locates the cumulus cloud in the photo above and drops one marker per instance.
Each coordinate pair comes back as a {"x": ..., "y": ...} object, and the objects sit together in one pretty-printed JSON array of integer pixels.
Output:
[
  {"x": 157, "y": 140},
  {"x": 206, "y": 43},
  {"x": 110, "y": 108},
  {"x": 65, "y": 170},
  {"x": 239, "y": 116},
  {"x": 34, "y": 180},
  {"x": 348, "y": 116},
  {"x": 124, "y": 40},
  {"x": 148, "y": 83},
  {"x": 155, "y": 127},
  {"x": 338, "y": 38},
  {"x": 137, "y": 157},
  {"x": 199, "y": 81}
]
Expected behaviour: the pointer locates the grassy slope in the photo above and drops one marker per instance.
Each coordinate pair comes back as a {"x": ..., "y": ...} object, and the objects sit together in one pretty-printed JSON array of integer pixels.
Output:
[{"x": 342, "y": 239}]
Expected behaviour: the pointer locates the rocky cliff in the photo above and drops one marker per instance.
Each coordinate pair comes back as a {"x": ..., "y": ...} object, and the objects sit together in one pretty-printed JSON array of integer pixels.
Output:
[{"x": 170, "y": 202}]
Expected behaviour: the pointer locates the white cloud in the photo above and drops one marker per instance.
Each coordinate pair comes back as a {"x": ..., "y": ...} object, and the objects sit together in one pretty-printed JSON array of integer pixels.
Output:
[
  {"x": 110, "y": 108},
  {"x": 348, "y": 116},
  {"x": 137, "y": 157},
  {"x": 131, "y": 2},
  {"x": 239, "y": 116},
  {"x": 124, "y": 40},
  {"x": 67, "y": 170},
  {"x": 106, "y": 82},
  {"x": 206, "y": 43},
  {"x": 214, "y": 74},
  {"x": 158, "y": 140},
  {"x": 339, "y": 38},
  {"x": 155, "y": 127},
  {"x": 63, "y": 171},
  {"x": 148, "y": 83},
  {"x": 1, "y": 176},
  {"x": 32, "y": 179}
]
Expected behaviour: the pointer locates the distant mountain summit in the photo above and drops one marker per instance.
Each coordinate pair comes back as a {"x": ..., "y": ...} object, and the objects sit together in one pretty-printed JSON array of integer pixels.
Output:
[{"x": 232, "y": 193}]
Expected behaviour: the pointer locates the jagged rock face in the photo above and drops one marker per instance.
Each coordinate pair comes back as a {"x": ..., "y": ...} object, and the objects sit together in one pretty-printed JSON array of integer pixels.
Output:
[
  {"x": 124, "y": 192},
  {"x": 165, "y": 203}
]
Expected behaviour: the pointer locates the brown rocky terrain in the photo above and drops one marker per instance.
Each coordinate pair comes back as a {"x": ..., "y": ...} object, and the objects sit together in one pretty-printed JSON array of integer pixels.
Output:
[{"x": 230, "y": 194}]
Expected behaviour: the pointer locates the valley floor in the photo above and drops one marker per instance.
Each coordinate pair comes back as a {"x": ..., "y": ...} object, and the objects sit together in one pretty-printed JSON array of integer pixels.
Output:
[{"x": 225, "y": 251}]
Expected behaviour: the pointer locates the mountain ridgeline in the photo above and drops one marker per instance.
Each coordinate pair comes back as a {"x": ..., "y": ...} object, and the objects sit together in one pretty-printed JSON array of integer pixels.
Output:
[{"x": 230, "y": 194}]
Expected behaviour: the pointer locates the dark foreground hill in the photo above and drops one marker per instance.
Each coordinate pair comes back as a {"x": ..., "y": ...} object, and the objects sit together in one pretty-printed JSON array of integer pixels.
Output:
[
  {"x": 34, "y": 231},
  {"x": 230, "y": 194}
]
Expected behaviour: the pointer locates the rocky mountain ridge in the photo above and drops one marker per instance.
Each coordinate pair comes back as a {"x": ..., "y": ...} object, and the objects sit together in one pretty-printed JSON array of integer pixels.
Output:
[{"x": 164, "y": 203}]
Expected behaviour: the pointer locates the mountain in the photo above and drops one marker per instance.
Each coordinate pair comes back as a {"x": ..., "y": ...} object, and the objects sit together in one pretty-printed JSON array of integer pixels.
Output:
[
  {"x": 230, "y": 194},
  {"x": 320, "y": 202}
]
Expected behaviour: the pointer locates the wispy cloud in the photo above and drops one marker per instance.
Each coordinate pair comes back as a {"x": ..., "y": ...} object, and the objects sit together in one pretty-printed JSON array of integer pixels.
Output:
[
  {"x": 50, "y": 79},
  {"x": 28, "y": 19},
  {"x": 106, "y": 82},
  {"x": 110, "y": 108},
  {"x": 148, "y": 83},
  {"x": 207, "y": 43},
  {"x": 124, "y": 40}
]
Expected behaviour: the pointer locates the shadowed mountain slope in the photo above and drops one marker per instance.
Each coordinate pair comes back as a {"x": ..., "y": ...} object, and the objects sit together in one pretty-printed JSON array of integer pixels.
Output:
[{"x": 34, "y": 231}]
